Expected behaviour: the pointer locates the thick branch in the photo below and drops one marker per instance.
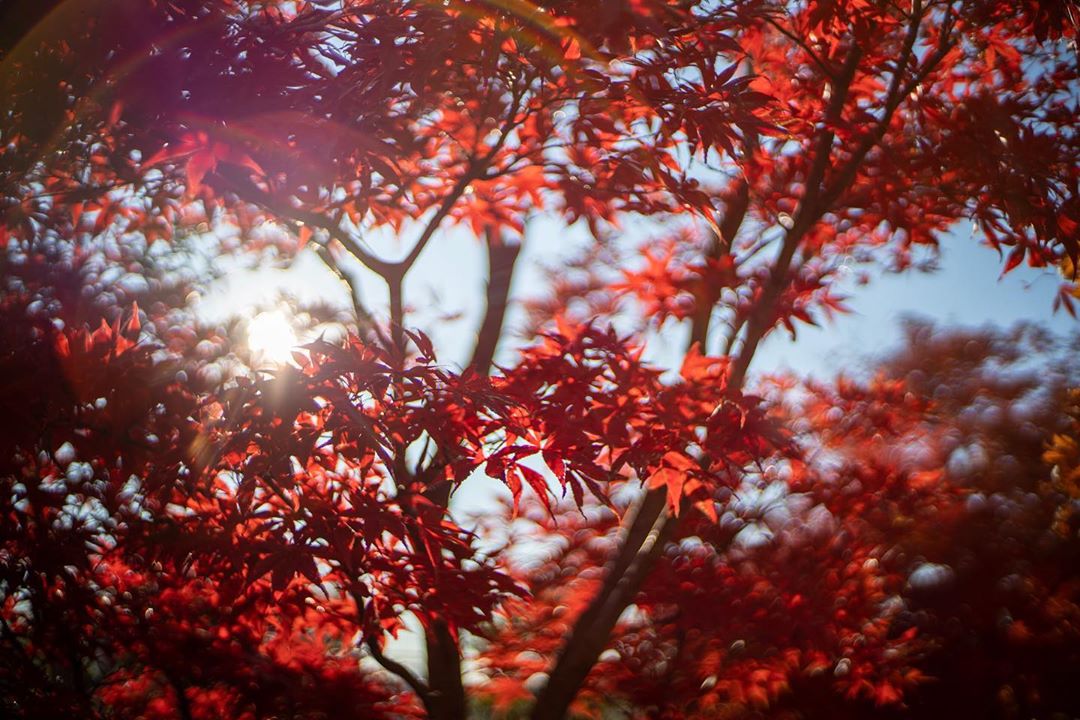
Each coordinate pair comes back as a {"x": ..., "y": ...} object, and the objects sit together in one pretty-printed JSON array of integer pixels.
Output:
[
  {"x": 649, "y": 530},
  {"x": 444, "y": 656},
  {"x": 397, "y": 315},
  {"x": 445, "y": 691},
  {"x": 502, "y": 257},
  {"x": 183, "y": 705},
  {"x": 444, "y": 673},
  {"x": 646, "y": 537},
  {"x": 819, "y": 198},
  {"x": 810, "y": 210},
  {"x": 898, "y": 90},
  {"x": 719, "y": 246},
  {"x": 416, "y": 684},
  {"x": 637, "y": 554}
]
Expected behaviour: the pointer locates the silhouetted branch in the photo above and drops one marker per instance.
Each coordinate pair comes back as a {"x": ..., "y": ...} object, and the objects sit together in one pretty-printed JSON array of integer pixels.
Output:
[{"x": 502, "y": 257}]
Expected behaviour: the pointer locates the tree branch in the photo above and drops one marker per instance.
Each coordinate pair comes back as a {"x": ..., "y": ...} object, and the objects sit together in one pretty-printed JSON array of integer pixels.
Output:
[
  {"x": 397, "y": 315},
  {"x": 237, "y": 181},
  {"x": 471, "y": 173},
  {"x": 802, "y": 44},
  {"x": 502, "y": 257},
  {"x": 475, "y": 168},
  {"x": 415, "y": 684},
  {"x": 183, "y": 705},
  {"x": 444, "y": 672},
  {"x": 808, "y": 213},
  {"x": 898, "y": 90},
  {"x": 646, "y": 537},
  {"x": 729, "y": 341},
  {"x": 818, "y": 198},
  {"x": 720, "y": 245},
  {"x": 447, "y": 693},
  {"x": 363, "y": 317},
  {"x": 652, "y": 523}
]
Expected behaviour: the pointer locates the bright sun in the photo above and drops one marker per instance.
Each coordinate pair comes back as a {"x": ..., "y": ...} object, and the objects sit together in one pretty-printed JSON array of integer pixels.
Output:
[{"x": 271, "y": 338}]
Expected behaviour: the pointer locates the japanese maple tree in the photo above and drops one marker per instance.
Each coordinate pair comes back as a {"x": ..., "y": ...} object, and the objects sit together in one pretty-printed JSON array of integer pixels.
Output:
[
  {"x": 228, "y": 546},
  {"x": 906, "y": 550}
]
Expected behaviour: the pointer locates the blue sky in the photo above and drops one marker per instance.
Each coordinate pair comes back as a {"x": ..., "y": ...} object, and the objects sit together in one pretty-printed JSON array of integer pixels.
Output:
[
  {"x": 448, "y": 281},
  {"x": 967, "y": 290},
  {"x": 446, "y": 291}
]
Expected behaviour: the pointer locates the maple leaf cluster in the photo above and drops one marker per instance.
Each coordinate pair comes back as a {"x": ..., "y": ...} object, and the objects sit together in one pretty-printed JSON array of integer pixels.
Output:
[{"x": 851, "y": 574}]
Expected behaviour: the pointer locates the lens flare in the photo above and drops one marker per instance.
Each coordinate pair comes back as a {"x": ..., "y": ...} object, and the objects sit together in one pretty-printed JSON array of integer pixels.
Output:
[{"x": 271, "y": 338}]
